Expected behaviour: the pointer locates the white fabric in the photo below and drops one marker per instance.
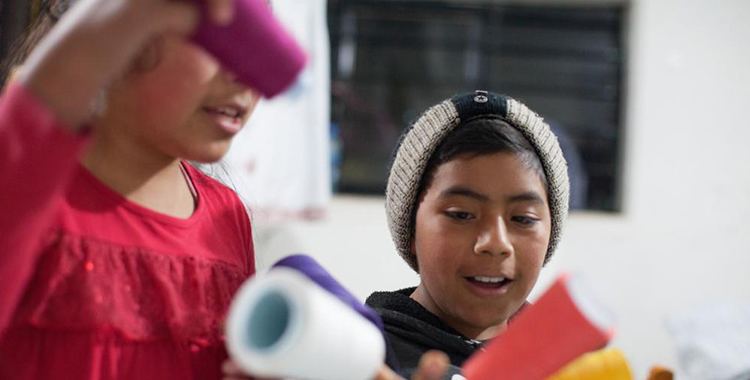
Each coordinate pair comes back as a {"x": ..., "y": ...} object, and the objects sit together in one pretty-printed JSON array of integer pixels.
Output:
[
  {"x": 281, "y": 160},
  {"x": 713, "y": 340}
]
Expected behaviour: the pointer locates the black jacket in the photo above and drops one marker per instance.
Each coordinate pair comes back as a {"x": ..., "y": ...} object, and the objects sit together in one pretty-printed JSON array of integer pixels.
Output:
[{"x": 411, "y": 331}]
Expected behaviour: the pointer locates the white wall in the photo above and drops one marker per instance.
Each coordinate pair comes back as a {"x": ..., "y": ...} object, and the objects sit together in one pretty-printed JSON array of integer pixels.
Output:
[{"x": 684, "y": 235}]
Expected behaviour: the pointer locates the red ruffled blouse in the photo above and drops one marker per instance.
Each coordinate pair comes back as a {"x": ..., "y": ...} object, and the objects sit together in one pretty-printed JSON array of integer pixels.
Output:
[{"x": 93, "y": 286}]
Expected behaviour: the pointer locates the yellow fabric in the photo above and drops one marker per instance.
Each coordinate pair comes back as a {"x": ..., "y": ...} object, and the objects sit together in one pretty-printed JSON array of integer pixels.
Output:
[{"x": 607, "y": 364}]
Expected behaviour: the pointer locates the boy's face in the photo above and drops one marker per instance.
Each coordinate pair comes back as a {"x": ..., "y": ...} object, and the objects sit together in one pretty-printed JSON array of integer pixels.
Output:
[{"x": 482, "y": 231}]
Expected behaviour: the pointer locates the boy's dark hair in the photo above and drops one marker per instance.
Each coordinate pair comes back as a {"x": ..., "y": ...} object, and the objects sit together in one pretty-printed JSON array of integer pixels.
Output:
[{"x": 479, "y": 137}]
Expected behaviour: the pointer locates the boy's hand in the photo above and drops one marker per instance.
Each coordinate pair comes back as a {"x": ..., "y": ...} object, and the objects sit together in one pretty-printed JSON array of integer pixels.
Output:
[{"x": 432, "y": 366}]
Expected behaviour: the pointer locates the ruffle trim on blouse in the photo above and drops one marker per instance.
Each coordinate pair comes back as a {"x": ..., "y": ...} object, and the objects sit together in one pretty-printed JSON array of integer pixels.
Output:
[{"x": 144, "y": 296}]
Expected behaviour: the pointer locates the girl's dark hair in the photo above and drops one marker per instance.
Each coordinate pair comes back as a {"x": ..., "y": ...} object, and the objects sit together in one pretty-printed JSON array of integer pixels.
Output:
[
  {"x": 48, "y": 15},
  {"x": 479, "y": 137}
]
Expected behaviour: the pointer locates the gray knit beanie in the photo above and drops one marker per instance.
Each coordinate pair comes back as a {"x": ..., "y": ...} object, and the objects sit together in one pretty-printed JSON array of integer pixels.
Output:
[{"x": 420, "y": 141}]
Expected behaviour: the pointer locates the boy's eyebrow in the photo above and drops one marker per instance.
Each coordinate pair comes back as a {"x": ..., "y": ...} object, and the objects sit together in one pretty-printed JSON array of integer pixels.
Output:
[
  {"x": 463, "y": 191},
  {"x": 529, "y": 196}
]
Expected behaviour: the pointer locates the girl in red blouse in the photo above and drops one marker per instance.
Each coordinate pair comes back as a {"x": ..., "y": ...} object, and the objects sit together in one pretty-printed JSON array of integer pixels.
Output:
[{"x": 118, "y": 259}]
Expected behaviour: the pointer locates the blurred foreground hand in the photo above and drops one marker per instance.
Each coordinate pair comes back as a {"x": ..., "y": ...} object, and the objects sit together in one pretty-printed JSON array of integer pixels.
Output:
[{"x": 432, "y": 366}]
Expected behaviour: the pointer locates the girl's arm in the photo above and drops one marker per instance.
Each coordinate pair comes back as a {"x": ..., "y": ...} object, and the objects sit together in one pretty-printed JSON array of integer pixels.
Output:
[
  {"x": 42, "y": 112},
  {"x": 36, "y": 157}
]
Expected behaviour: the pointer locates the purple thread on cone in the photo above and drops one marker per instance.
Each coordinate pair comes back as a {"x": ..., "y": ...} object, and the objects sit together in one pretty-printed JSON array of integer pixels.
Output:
[
  {"x": 315, "y": 272},
  {"x": 255, "y": 47}
]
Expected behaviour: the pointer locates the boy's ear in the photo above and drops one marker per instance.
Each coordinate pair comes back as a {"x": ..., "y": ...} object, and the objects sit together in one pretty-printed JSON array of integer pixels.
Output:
[{"x": 413, "y": 247}]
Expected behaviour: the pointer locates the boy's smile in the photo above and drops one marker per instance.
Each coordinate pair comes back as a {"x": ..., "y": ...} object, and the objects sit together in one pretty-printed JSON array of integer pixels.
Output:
[
  {"x": 489, "y": 285},
  {"x": 482, "y": 231}
]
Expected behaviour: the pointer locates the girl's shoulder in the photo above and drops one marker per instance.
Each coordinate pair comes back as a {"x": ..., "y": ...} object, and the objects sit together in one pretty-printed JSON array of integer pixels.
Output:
[
  {"x": 212, "y": 191},
  {"x": 205, "y": 181},
  {"x": 227, "y": 211}
]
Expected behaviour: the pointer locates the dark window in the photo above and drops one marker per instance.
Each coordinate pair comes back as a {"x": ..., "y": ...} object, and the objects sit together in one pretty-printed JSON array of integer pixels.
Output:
[{"x": 393, "y": 59}]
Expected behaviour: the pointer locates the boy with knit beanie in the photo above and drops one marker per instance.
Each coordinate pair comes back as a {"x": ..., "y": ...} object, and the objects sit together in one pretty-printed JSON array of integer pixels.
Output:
[{"x": 476, "y": 200}]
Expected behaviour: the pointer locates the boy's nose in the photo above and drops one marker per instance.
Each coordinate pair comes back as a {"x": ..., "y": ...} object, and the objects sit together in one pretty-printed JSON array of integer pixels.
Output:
[{"x": 494, "y": 239}]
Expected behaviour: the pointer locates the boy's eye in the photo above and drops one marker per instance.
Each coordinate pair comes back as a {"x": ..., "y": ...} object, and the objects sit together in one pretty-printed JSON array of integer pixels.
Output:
[
  {"x": 459, "y": 215},
  {"x": 524, "y": 220}
]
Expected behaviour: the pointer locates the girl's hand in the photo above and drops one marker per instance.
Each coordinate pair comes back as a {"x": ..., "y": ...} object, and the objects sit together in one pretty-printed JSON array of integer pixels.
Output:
[
  {"x": 232, "y": 372},
  {"x": 220, "y": 11},
  {"x": 96, "y": 41},
  {"x": 432, "y": 366}
]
